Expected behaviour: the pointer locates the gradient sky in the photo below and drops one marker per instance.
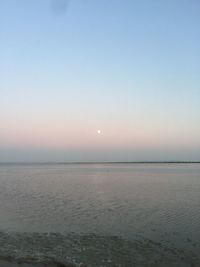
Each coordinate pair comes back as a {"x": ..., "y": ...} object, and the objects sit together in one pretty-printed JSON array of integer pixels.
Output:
[{"x": 129, "y": 68}]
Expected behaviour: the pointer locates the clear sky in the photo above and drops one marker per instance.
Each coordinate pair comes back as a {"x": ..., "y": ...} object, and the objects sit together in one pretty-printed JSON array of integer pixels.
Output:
[{"x": 130, "y": 69}]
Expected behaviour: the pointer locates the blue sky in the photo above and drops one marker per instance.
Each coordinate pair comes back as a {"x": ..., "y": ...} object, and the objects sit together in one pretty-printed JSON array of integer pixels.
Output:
[{"x": 130, "y": 68}]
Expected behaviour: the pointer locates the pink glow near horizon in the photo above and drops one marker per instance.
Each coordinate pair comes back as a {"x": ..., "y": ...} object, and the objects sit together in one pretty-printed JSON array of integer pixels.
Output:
[{"x": 54, "y": 135}]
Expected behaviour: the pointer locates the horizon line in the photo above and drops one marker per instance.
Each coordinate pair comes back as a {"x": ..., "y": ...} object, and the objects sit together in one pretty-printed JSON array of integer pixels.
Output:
[{"x": 101, "y": 162}]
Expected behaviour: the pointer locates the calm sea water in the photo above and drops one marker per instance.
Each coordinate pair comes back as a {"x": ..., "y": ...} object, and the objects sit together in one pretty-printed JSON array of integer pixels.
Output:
[{"x": 119, "y": 199}]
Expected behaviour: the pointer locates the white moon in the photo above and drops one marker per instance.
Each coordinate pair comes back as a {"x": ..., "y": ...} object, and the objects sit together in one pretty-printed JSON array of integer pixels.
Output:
[{"x": 99, "y": 131}]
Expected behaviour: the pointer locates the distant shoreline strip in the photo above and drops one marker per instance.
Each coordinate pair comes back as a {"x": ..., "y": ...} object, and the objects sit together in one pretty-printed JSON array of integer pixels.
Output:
[{"x": 103, "y": 162}]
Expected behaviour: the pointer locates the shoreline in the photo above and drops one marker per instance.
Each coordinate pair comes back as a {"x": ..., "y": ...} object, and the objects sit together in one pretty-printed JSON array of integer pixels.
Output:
[{"x": 89, "y": 250}]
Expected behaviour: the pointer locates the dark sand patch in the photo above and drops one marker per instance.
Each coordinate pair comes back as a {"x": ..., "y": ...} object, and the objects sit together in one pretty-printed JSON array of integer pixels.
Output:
[{"x": 14, "y": 263}]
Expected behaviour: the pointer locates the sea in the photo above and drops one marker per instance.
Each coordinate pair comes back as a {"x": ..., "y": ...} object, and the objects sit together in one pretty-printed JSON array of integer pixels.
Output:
[{"x": 101, "y": 214}]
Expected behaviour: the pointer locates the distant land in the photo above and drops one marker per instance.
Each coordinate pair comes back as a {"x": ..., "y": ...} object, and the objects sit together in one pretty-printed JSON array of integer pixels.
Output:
[{"x": 106, "y": 162}]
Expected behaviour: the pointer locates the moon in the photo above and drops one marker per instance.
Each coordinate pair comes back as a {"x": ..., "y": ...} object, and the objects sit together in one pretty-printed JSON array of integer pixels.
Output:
[{"x": 99, "y": 131}]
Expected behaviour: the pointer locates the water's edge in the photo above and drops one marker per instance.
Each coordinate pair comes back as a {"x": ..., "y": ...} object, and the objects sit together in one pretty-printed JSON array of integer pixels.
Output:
[{"x": 54, "y": 249}]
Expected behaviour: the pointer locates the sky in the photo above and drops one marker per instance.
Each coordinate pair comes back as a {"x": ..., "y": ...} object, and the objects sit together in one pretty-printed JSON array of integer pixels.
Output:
[{"x": 129, "y": 69}]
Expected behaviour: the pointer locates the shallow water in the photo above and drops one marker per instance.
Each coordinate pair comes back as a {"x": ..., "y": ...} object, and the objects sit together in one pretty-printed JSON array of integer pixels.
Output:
[{"x": 158, "y": 202}]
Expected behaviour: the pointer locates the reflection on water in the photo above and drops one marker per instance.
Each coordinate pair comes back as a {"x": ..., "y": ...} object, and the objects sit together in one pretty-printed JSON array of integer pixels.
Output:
[{"x": 156, "y": 201}]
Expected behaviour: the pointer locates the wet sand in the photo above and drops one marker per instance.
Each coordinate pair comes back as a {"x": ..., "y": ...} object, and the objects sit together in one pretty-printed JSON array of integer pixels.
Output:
[
  {"x": 13, "y": 263},
  {"x": 72, "y": 250}
]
